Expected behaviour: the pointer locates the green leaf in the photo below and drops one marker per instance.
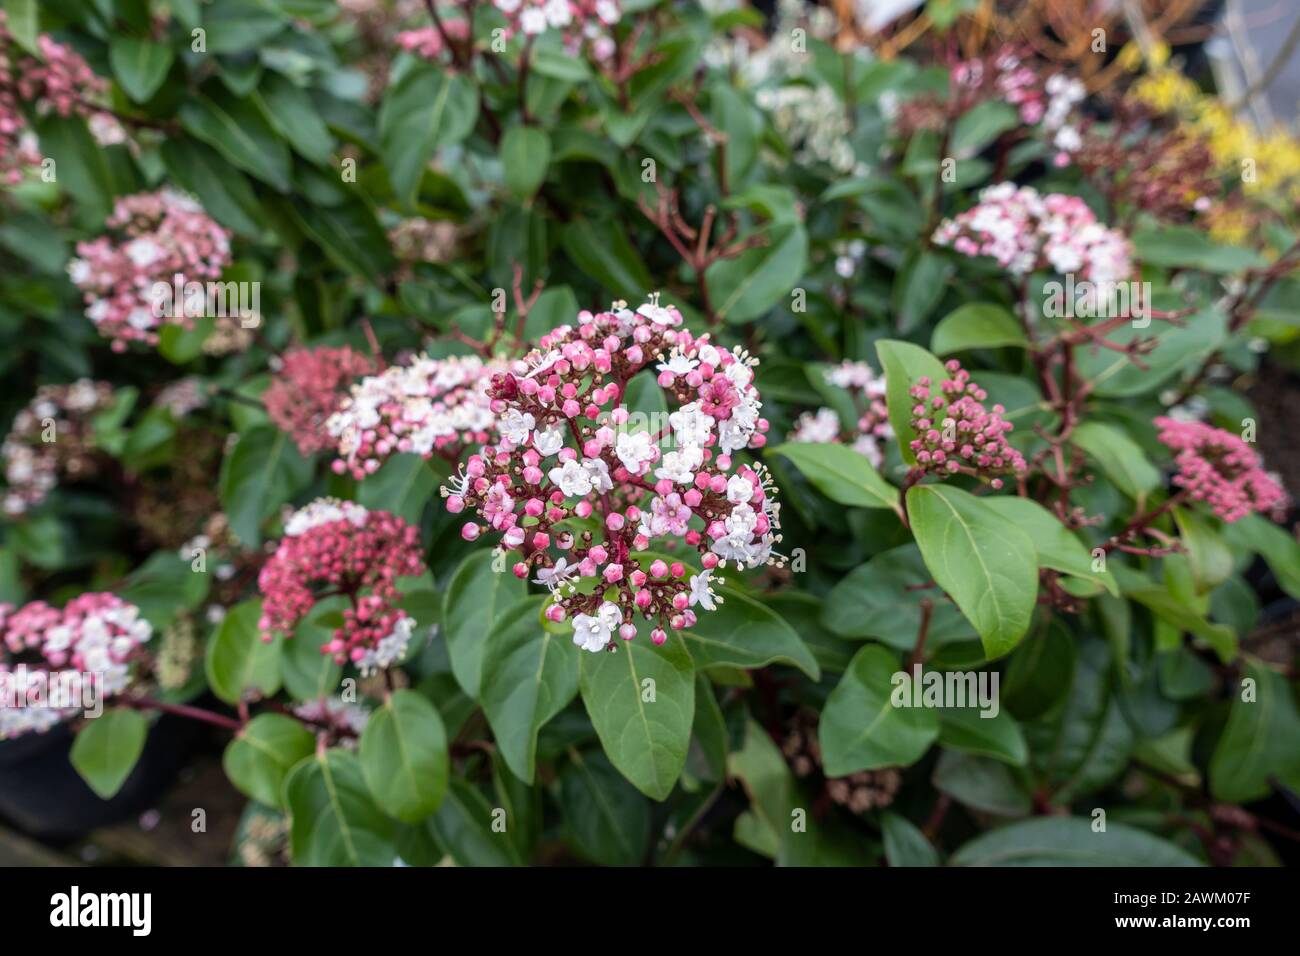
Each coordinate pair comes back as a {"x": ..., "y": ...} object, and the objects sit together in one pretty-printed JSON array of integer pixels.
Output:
[
  {"x": 463, "y": 825},
  {"x": 968, "y": 729},
  {"x": 81, "y": 164},
  {"x": 976, "y": 325},
  {"x": 919, "y": 287},
  {"x": 261, "y": 473},
  {"x": 1209, "y": 555},
  {"x": 746, "y": 287},
  {"x": 529, "y": 675},
  {"x": 235, "y": 26},
  {"x": 905, "y": 844},
  {"x": 988, "y": 786},
  {"x": 1057, "y": 547},
  {"x": 1070, "y": 841},
  {"x": 989, "y": 568},
  {"x": 641, "y": 700},
  {"x": 263, "y": 752},
  {"x": 307, "y": 673},
  {"x": 842, "y": 474},
  {"x": 1261, "y": 743},
  {"x": 23, "y": 21},
  {"x": 1119, "y": 456},
  {"x": 1177, "y": 348},
  {"x": 107, "y": 748},
  {"x": 1183, "y": 247},
  {"x": 602, "y": 251},
  {"x": 404, "y": 756},
  {"x": 861, "y": 729},
  {"x": 222, "y": 189},
  {"x": 607, "y": 820},
  {"x": 525, "y": 154},
  {"x": 238, "y": 659},
  {"x": 903, "y": 364},
  {"x": 741, "y": 632},
  {"x": 350, "y": 235},
  {"x": 981, "y": 125},
  {"x": 403, "y": 485},
  {"x": 139, "y": 65},
  {"x": 1040, "y": 671},
  {"x": 882, "y": 599},
  {"x": 333, "y": 820},
  {"x": 1257, "y": 534},
  {"x": 476, "y": 596},
  {"x": 425, "y": 109},
  {"x": 237, "y": 130},
  {"x": 290, "y": 110}
]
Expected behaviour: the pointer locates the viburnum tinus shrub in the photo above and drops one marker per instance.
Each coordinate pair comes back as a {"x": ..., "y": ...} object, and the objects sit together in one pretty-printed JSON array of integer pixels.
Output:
[{"x": 649, "y": 433}]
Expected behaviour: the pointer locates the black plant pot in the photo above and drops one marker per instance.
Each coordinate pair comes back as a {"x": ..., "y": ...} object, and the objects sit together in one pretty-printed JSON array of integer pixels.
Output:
[{"x": 43, "y": 796}]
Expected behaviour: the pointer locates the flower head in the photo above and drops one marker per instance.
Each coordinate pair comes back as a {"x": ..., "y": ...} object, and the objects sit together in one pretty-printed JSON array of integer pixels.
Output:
[
  {"x": 308, "y": 388},
  {"x": 1220, "y": 469},
  {"x": 956, "y": 434},
  {"x": 580, "y": 486},
  {"x": 71, "y": 657},
  {"x": 351, "y": 551},
  {"x": 51, "y": 437}
]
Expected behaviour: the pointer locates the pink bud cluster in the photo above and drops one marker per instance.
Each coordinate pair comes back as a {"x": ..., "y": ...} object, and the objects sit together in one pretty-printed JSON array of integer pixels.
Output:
[
  {"x": 581, "y": 21},
  {"x": 956, "y": 434},
  {"x": 1220, "y": 469},
  {"x": 308, "y": 388},
  {"x": 427, "y": 42},
  {"x": 1025, "y": 231},
  {"x": 578, "y": 484},
  {"x": 50, "y": 437},
  {"x": 155, "y": 238},
  {"x": 350, "y": 551},
  {"x": 429, "y": 406},
  {"x": 82, "y": 652},
  {"x": 59, "y": 81},
  {"x": 867, "y": 390}
]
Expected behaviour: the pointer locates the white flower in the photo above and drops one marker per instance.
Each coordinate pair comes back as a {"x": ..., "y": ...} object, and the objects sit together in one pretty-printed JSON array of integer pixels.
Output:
[
  {"x": 739, "y": 489},
  {"x": 324, "y": 511},
  {"x": 143, "y": 252},
  {"x": 635, "y": 451},
  {"x": 690, "y": 425},
  {"x": 515, "y": 426},
  {"x": 549, "y": 442},
  {"x": 709, "y": 355},
  {"x": 533, "y": 21},
  {"x": 701, "y": 594},
  {"x": 572, "y": 478},
  {"x": 658, "y": 314},
  {"x": 592, "y": 632},
  {"x": 558, "y": 13},
  {"x": 678, "y": 364},
  {"x": 679, "y": 466},
  {"x": 555, "y": 576},
  {"x": 598, "y": 472},
  {"x": 739, "y": 373}
]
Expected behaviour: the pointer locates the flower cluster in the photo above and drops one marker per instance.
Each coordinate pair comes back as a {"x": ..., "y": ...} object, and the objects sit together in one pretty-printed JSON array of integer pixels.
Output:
[
  {"x": 51, "y": 437},
  {"x": 1025, "y": 231},
  {"x": 432, "y": 405},
  {"x": 813, "y": 119},
  {"x": 956, "y": 434},
  {"x": 355, "y": 552},
  {"x": 578, "y": 482},
  {"x": 55, "y": 662},
  {"x": 308, "y": 388},
  {"x": 428, "y": 43},
  {"x": 1220, "y": 469},
  {"x": 582, "y": 21},
  {"x": 1166, "y": 172},
  {"x": 158, "y": 236},
  {"x": 867, "y": 390},
  {"x": 59, "y": 81}
]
